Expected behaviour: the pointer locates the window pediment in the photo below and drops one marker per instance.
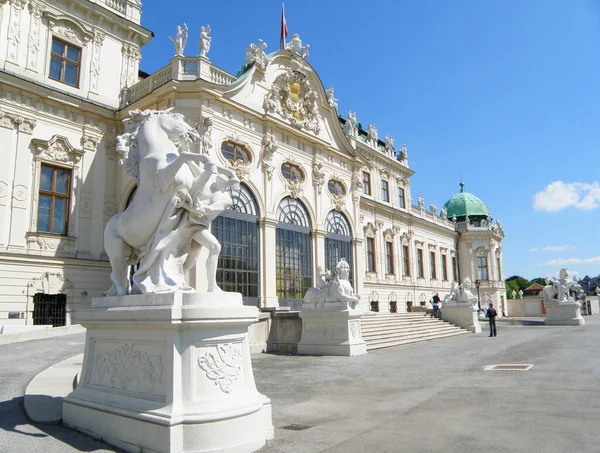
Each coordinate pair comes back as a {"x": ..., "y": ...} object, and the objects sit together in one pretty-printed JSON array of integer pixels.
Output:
[
  {"x": 66, "y": 28},
  {"x": 57, "y": 149}
]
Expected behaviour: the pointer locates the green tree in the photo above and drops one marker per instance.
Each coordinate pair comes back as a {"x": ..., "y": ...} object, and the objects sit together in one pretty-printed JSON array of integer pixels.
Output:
[{"x": 520, "y": 282}]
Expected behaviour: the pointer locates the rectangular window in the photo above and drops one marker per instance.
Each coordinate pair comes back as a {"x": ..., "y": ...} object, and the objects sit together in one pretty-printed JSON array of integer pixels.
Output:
[
  {"x": 405, "y": 261},
  {"x": 444, "y": 268},
  {"x": 432, "y": 266},
  {"x": 366, "y": 180},
  {"x": 401, "y": 197},
  {"x": 455, "y": 268},
  {"x": 420, "y": 270},
  {"x": 370, "y": 255},
  {"x": 389, "y": 257},
  {"x": 65, "y": 60},
  {"x": 385, "y": 192},
  {"x": 54, "y": 199},
  {"x": 482, "y": 268}
]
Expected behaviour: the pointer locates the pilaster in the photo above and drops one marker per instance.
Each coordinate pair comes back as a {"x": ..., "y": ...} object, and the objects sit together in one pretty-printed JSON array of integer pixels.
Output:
[{"x": 269, "y": 263}]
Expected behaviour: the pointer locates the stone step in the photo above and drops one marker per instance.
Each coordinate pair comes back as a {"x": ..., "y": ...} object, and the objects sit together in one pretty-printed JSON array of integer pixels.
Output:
[
  {"x": 393, "y": 342},
  {"x": 382, "y": 330},
  {"x": 406, "y": 330}
]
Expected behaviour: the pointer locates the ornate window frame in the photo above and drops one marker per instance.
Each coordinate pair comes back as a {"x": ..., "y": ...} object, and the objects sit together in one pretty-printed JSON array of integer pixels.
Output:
[
  {"x": 75, "y": 34},
  {"x": 57, "y": 152}
]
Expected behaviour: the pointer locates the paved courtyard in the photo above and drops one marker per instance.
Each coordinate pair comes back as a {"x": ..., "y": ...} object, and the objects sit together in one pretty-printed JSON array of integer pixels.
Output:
[{"x": 427, "y": 397}]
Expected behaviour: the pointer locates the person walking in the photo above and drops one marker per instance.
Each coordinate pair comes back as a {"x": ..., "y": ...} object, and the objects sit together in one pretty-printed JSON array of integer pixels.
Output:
[
  {"x": 491, "y": 314},
  {"x": 436, "y": 305}
]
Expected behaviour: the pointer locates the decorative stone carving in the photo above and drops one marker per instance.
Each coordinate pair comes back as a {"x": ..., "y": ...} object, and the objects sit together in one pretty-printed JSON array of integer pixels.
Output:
[
  {"x": 205, "y": 40},
  {"x": 166, "y": 224},
  {"x": 180, "y": 40},
  {"x": 130, "y": 368},
  {"x": 131, "y": 55},
  {"x": 336, "y": 289},
  {"x": 331, "y": 100},
  {"x": 255, "y": 54},
  {"x": 14, "y": 29},
  {"x": 339, "y": 202},
  {"x": 95, "y": 66},
  {"x": 223, "y": 365},
  {"x": 405, "y": 238},
  {"x": 57, "y": 149},
  {"x": 33, "y": 44},
  {"x": 51, "y": 283},
  {"x": 318, "y": 176},
  {"x": 294, "y": 187},
  {"x": 372, "y": 134},
  {"x": 295, "y": 45},
  {"x": 420, "y": 202},
  {"x": 268, "y": 147},
  {"x": 482, "y": 251},
  {"x": 89, "y": 142},
  {"x": 350, "y": 125},
  {"x": 388, "y": 235},
  {"x": 240, "y": 168},
  {"x": 293, "y": 97},
  {"x": 370, "y": 230},
  {"x": 379, "y": 224},
  {"x": 433, "y": 208}
]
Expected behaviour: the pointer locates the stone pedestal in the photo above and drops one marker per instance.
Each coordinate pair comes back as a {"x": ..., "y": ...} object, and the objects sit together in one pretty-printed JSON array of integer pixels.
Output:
[
  {"x": 332, "y": 328},
  {"x": 564, "y": 314},
  {"x": 463, "y": 315},
  {"x": 170, "y": 373}
]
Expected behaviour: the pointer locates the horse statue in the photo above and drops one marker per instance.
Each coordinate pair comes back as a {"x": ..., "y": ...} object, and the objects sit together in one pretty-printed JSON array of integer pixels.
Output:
[
  {"x": 176, "y": 199},
  {"x": 560, "y": 290},
  {"x": 338, "y": 289}
]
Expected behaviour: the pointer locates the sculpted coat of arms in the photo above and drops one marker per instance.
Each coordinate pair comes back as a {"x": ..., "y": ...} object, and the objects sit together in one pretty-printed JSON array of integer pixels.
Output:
[{"x": 293, "y": 98}]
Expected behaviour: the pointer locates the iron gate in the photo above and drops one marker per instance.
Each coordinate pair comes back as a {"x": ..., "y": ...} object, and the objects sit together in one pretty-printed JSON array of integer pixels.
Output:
[{"x": 50, "y": 309}]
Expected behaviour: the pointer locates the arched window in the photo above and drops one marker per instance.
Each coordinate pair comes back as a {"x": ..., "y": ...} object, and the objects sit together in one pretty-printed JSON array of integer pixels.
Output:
[
  {"x": 338, "y": 240},
  {"x": 336, "y": 187},
  {"x": 293, "y": 253},
  {"x": 234, "y": 151},
  {"x": 239, "y": 261},
  {"x": 292, "y": 172}
]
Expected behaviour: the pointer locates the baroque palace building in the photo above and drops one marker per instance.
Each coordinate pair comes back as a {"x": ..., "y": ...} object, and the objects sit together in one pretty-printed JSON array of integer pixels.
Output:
[{"x": 315, "y": 187}]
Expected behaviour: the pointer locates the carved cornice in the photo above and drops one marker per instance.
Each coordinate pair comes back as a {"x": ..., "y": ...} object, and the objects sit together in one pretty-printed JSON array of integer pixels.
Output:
[{"x": 21, "y": 123}]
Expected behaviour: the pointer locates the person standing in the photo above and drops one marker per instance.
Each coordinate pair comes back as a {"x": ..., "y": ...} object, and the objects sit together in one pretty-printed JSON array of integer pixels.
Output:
[
  {"x": 436, "y": 305},
  {"x": 491, "y": 314}
]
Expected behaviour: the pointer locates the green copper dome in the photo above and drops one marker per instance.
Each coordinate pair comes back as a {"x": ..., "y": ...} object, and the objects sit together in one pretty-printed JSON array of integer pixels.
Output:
[{"x": 464, "y": 203}]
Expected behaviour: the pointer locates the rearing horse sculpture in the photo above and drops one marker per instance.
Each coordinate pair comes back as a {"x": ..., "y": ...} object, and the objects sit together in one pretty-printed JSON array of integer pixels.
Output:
[{"x": 169, "y": 217}]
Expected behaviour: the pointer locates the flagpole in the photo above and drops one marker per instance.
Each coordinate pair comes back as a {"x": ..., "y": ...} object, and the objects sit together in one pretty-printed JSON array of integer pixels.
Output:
[{"x": 283, "y": 31}]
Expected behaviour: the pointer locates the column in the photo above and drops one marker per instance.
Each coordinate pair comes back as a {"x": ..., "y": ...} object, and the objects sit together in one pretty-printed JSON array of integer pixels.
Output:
[
  {"x": 21, "y": 188},
  {"x": 319, "y": 252},
  {"x": 268, "y": 263},
  {"x": 8, "y": 137}
]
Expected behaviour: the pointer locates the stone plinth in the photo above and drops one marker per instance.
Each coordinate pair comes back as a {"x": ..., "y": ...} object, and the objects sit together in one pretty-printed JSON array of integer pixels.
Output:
[
  {"x": 463, "y": 315},
  {"x": 170, "y": 373},
  {"x": 564, "y": 314},
  {"x": 332, "y": 328}
]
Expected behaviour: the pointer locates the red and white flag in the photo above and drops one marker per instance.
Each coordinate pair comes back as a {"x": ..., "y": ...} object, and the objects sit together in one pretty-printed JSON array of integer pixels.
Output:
[{"x": 284, "y": 29}]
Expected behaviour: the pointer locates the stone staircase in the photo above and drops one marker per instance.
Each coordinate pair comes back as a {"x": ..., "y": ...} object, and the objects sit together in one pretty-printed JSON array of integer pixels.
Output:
[{"x": 383, "y": 330}]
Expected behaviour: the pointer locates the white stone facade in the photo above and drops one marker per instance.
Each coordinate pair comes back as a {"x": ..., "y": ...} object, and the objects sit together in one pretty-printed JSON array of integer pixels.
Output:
[{"x": 278, "y": 113}]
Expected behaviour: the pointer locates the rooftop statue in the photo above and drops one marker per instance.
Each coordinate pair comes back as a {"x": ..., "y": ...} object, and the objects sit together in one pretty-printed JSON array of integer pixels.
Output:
[
  {"x": 389, "y": 144},
  {"x": 350, "y": 125},
  {"x": 295, "y": 45},
  {"x": 256, "y": 54},
  {"x": 179, "y": 193},
  {"x": 560, "y": 291},
  {"x": 336, "y": 289},
  {"x": 205, "y": 40},
  {"x": 372, "y": 131},
  {"x": 180, "y": 40},
  {"x": 331, "y": 100}
]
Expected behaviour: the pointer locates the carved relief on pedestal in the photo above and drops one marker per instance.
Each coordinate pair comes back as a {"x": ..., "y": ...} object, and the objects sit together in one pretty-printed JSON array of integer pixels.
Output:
[
  {"x": 293, "y": 97},
  {"x": 128, "y": 368},
  {"x": 50, "y": 283},
  {"x": 222, "y": 364}
]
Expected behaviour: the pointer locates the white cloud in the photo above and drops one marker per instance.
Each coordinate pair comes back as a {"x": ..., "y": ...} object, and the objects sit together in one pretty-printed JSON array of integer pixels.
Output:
[
  {"x": 558, "y": 195},
  {"x": 553, "y": 248},
  {"x": 567, "y": 261}
]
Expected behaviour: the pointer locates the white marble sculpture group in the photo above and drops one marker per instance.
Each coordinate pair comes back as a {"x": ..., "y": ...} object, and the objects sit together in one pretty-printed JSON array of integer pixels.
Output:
[
  {"x": 168, "y": 220},
  {"x": 181, "y": 37},
  {"x": 563, "y": 290}
]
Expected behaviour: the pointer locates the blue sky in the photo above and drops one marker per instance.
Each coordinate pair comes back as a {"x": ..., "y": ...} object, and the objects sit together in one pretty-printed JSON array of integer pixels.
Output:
[{"x": 504, "y": 92}]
